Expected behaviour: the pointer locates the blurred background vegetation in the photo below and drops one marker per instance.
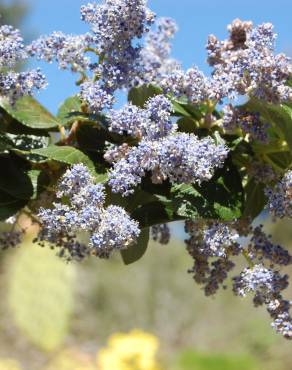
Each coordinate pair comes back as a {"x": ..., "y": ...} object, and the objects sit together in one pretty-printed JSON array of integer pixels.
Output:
[{"x": 58, "y": 316}]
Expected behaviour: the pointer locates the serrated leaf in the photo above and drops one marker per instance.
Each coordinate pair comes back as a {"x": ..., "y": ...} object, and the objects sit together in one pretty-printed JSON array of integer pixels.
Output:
[
  {"x": 30, "y": 113},
  {"x": 137, "y": 250},
  {"x": 222, "y": 197},
  {"x": 68, "y": 110},
  {"x": 65, "y": 154},
  {"x": 189, "y": 203},
  {"x": 139, "y": 95}
]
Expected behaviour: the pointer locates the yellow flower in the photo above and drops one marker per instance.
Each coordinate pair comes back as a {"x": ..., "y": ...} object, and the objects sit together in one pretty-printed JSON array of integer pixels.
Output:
[{"x": 134, "y": 351}]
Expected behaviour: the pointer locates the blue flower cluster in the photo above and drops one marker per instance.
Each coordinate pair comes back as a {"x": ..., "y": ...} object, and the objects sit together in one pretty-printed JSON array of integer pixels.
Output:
[
  {"x": 246, "y": 63},
  {"x": 216, "y": 238},
  {"x": 211, "y": 239},
  {"x": 262, "y": 248},
  {"x": 191, "y": 84},
  {"x": 83, "y": 215},
  {"x": 179, "y": 157},
  {"x": 267, "y": 286},
  {"x": 205, "y": 242},
  {"x": 67, "y": 50},
  {"x": 114, "y": 23},
  {"x": 12, "y": 49},
  {"x": 280, "y": 197},
  {"x": 152, "y": 123},
  {"x": 14, "y": 85},
  {"x": 96, "y": 96},
  {"x": 155, "y": 61},
  {"x": 161, "y": 233},
  {"x": 263, "y": 281},
  {"x": 114, "y": 27},
  {"x": 249, "y": 123}
]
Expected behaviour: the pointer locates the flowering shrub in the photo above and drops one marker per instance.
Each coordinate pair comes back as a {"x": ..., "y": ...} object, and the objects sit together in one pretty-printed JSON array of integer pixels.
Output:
[{"x": 97, "y": 179}]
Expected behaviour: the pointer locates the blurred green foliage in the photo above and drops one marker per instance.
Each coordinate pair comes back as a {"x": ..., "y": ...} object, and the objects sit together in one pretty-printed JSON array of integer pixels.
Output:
[
  {"x": 155, "y": 295},
  {"x": 13, "y": 12},
  {"x": 190, "y": 360},
  {"x": 40, "y": 295}
]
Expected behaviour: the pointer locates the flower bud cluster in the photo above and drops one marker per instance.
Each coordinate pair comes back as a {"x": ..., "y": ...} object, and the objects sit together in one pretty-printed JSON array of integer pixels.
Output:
[{"x": 161, "y": 233}]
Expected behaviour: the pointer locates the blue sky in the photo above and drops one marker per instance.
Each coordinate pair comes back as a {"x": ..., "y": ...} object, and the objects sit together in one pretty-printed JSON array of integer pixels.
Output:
[{"x": 196, "y": 19}]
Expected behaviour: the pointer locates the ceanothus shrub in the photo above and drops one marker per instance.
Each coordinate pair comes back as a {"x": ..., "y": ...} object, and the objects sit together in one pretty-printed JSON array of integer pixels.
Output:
[{"x": 97, "y": 179}]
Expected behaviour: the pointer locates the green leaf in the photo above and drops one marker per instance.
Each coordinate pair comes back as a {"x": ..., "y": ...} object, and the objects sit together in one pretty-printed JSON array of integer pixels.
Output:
[
  {"x": 184, "y": 109},
  {"x": 134, "y": 252},
  {"x": 154, "y": 213},
  {"x": 65, "y": 154},
  {"x": 68, "y": 110},
  {"x": 5, "y": 143},
  {"x": 187, "y": 124},
  {"x": 9, "y": 205},
  {"x": 189, "y": 203},
  {"x": 30, "y": 113},
  {"x": 221, "y": 197},
  {"x": 255, "y": 199},
  {"x": 179, "y": 110},
  {"x": 39, "y": 180},
  {"x": 139, "y": 95},
  {"x": 14, "y": 179},
  {"x": 281, "y": 159},
  {"x": 91, "y": 137}
]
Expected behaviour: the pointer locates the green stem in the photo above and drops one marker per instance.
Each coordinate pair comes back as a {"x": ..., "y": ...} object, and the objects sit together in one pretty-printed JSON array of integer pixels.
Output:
[{"x": 248, "y": 259}]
